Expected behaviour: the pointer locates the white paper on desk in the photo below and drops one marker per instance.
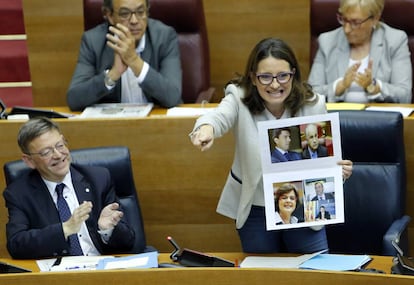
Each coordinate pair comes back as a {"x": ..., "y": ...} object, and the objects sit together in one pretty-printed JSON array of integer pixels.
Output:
[
  {"x": 277, "y": 262},
  {"x": 116, "y": 110},
  {"x": 142, "y": 260},
  {"x": 45, "y": 264},
  {"x": 69, "y": 263},
  {"x": 188, "y": 111},
  {"x": 405, "y": 111}
]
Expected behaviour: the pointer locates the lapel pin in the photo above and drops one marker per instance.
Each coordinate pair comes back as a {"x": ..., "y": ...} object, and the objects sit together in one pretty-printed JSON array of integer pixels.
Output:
[{"x": 87, "y": 190}]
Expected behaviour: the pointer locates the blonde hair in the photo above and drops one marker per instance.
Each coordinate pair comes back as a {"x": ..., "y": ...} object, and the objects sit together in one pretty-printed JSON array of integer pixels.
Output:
[{"x": 373, "y": 7}]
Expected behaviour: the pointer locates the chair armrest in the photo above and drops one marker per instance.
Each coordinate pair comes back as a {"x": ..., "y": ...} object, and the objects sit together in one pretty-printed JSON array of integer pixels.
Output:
[
  {"x": 394, "y": 233},
  {"x": 206, "y": 95}
]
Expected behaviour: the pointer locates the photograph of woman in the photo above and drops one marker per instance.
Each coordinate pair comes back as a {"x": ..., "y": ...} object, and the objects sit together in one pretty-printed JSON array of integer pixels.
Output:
[{"x": 286, "y": 202}]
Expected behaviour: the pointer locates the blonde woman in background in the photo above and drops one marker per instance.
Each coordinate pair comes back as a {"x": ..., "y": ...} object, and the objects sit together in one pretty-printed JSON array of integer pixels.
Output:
[{"x": 363, "y": 61}]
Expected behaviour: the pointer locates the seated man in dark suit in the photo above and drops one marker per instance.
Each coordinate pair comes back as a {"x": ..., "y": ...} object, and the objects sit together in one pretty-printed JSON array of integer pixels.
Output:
[
  {"x": 320, "y": 194},
  {"x": 323, "y": 214},
  {"x": 58, "y": 208},
  {"x": 129, "y": 59},
  {"x": 281, "y": 153},
  {"x": 313, "y": 149}
]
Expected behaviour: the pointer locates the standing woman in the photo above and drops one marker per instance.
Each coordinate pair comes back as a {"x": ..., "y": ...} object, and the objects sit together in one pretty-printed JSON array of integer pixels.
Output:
[
  {"x": 270, "y": 89},
  {"x": 363, "y": 61}
]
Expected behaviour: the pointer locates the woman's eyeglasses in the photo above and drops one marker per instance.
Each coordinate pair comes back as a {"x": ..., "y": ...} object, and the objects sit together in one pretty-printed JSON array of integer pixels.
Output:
[
  {"x": 354, "y": 24},
  {"x": 281, "y": 78}
]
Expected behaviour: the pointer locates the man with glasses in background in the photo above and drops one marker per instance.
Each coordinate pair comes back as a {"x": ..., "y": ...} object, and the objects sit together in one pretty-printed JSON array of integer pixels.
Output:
[
  {"x": 60, "y": 209},
  {"x": 364, "y": 60},
  {"x": 129, "y": 59}
]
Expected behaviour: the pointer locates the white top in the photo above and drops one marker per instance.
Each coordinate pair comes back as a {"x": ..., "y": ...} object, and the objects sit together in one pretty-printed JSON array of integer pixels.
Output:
[
  {"x": 131, "y": 89},
  {"x": 278, "y": 218}
]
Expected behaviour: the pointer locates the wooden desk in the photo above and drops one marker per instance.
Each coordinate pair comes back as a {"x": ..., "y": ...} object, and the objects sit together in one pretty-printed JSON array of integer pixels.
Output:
[
  {"x": 204, "y": 276},
  {"x": 178, "y": 186}
]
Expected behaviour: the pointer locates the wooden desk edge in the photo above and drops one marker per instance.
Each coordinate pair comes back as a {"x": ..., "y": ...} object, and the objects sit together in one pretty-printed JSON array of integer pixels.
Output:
[{"x": 378, "y": 262}]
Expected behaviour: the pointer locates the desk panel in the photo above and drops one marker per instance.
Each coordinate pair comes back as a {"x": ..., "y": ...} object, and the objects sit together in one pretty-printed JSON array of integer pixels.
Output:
[{"x": 207, "y": 276}]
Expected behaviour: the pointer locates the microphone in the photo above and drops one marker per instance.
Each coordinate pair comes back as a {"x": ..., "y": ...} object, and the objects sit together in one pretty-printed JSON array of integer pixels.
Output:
[{"x": 192, "y": 258}]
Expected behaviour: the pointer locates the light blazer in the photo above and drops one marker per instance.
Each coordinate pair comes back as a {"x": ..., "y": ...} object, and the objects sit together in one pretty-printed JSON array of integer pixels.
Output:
[
  {"x": 34, "y": 229},
  {"x": 236, "y": 199},
  {"x": 162, "y": 84},
  {"x": 391, "y": 63}
]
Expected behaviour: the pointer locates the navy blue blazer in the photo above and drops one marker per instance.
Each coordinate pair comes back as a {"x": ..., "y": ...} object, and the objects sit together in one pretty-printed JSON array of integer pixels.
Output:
[
  {"x": 34, "y": 229},
  {"x": 277, "y": 156}
]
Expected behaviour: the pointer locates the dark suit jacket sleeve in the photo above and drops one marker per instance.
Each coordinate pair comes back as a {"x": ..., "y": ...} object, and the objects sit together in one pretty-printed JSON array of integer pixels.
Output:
[
  {"x": 123, "y": 236},
  {"x": 322, "y": 151},
  {"x": 305, "y": 153},
  {"x": 101, "y": 193},
  {"x": 294, "y": 155},
  {"x": 330, "y": 196},
  {"x": 277, "y": 156},
  {"x": 33, "y": 230},
  {"x": 87, "y": 86}
]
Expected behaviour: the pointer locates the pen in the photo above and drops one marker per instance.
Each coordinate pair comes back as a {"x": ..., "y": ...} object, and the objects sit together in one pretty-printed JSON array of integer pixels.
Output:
[
  {"x": 72, "y": 268},
  {"x": 81, "y": 267}
]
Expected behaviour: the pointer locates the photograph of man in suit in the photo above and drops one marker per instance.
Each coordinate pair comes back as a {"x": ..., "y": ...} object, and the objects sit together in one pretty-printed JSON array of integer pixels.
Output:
[
  {"x": 313, "y": 148},
  {"x": 323, "y": 214},
  {"x": 130, "y": 58},
  {"x": 282, "y": 138},
  {"x": 60, "y": 208},
  {"x": 320, "y": 193}
]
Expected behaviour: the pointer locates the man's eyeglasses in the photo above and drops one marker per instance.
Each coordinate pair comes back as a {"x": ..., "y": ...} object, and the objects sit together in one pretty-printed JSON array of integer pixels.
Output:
[
  {"x": 48, "y": 152},
  {"x": 281, "y": 78},
  {"x": 126, "y": 14},
  {"x": 354, "y": 24}
]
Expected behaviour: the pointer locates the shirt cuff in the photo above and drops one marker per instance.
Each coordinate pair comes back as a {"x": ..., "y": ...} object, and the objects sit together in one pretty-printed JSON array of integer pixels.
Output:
[
  {"x": 373, "y": 97},
  {"x": 340, "y": 97},
  {"x": 106, "y": 234},
  {"x": 109, "y": 87},
  {"x": 144, "y": 72}
]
